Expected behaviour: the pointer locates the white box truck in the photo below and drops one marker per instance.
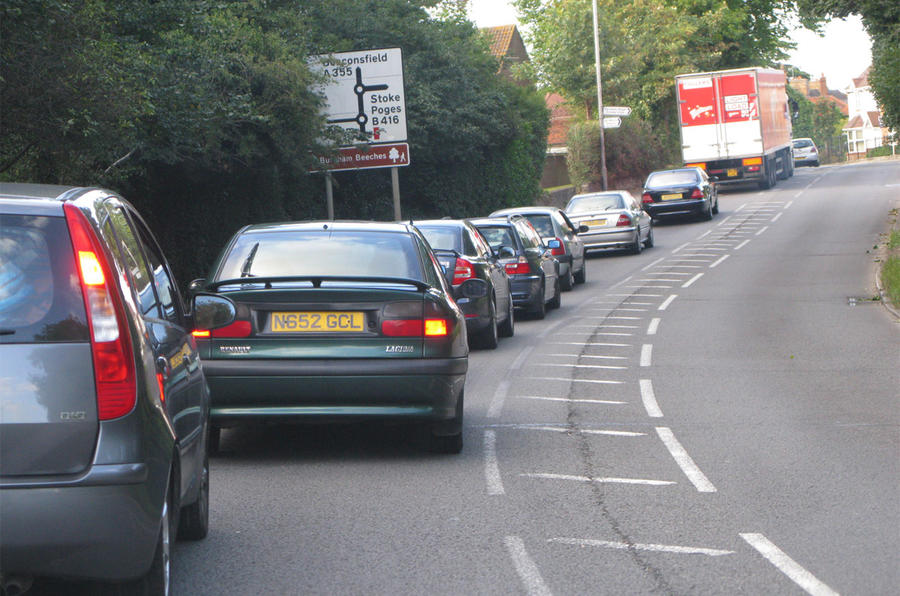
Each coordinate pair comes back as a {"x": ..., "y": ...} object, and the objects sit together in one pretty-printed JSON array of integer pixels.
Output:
[{"x": 736, "y": 124}]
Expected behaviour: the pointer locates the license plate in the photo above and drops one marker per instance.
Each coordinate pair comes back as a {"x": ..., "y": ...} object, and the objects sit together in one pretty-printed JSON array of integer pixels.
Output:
[
  {"x": 317, "y": 322},
  {"x": 732, "y": 172},
  {"x": 671, "y": 197},
  {"x": 595, "y": 222}
]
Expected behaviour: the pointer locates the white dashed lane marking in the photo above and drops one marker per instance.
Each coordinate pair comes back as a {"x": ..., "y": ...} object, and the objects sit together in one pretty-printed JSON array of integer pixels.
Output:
[{"x": 658, "y": 548}]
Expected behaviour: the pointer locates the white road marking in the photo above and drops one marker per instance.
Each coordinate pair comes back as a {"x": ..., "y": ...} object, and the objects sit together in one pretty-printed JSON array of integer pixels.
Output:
[
  {"x": 788, "y": 204},
  {"x": 491, "y": 467},
  {"x": 684, "y": 461},
  {"x": 660, "y": 279},
  {"x": 788, "y": 566},
  {"x": 693, "y": 260},
  {"x": 686, "y": 244},
  {"x": 600, "y": 366},
  {"x": 742, "y": 244},
  {"x": 578, "y": 343},
  {"x": 741, "y": 207},
  {"x": 584, "y": 431},
  {"x": 598, "y": 382},
  {"x": 762, "y": 230},
  {"x": 648, "y": 286},
  {"x": 797, "y": 196},
  {"x": 646, "y": 354},
  {"x": 602, "y": 402},
  {"x": 669, "y": 273},
  {"x": 774, "y": 219},
  {"x": 591, "y": 356},
  {"x": 528, "y": 572},
  {"x": 654, "y": 325},
  {"x": 724, "y": 221},
  {"x": 618, "y": 283},
  {"x": 624, "y": 318},
  {"x": 659, "y": 548},
  {"x": 716, "y": 264},
  {"x": 497, "y": 401},
  {"x": 653, "y": 263},
  {"x": 704, "y": 234},
  {"x": 639, "y": 295},
  {"x": 604, "y": 480},
  {"x": 649, "y": 399},
  {"x": 667, "y": 302},
  {"x": 690, "y": 282},
  {"x": 686, "y": 266},
  {"x": 520, "y": 359}
]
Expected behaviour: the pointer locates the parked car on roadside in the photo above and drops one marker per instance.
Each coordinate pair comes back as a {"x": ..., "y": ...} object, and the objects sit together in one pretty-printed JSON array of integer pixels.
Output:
[
  {"x": 337, "y": 320},
  {"x": 464, "y": 254},
  {"x": 613, "y": 219},
  {"x": 103, "y": 404},
  {"x": 682, "y": 191},
  {"x": 805, "y": 152},
  {"x": 530, "y": 264},
  {"x": 550, "y": 223}
]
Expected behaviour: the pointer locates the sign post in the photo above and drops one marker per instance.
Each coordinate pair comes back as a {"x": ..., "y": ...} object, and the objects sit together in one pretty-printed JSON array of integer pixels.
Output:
[{"x": 364, "y": 94}]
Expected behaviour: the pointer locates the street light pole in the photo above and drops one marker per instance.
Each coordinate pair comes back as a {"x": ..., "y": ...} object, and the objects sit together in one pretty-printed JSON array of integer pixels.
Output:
[{"x": 599, "y": 96}]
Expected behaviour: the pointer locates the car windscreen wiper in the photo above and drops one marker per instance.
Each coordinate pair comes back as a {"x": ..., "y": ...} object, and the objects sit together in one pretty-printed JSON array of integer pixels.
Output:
[
  {"x": 7, "y": 331},
  {"x": 248, "y": 262}
]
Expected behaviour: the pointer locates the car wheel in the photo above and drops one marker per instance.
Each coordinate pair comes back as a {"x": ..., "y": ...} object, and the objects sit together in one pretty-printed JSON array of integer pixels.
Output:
[
  {"x": 193, "y": 523},
  {"x": 648, "y": 243},
  {"x": 158, "y": 580},
  {"x": 556, "y": 301},
  {"x": 508, "y": 327},
  {"x": 569, "y": 281},
  {"x": 215, "y": 434},
  {"x": 449, "y": 443},
  {"x": 715, "y": 208},
  {"x": 539, "y": 310},
  {"x": 816, "y": 164},
  {"x": 487, "y": 337},
  {"x": 636, "y": 246},
  {"x": 581, "y": 275}
]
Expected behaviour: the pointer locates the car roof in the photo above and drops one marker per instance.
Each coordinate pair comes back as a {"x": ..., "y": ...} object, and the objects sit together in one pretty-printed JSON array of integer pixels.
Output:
[
  {"x": 503, "y": 220},
  {"x": 541, "y": 209},
  {"x": 440, "y": 223},
  {"x": 25, "y": 190},
  {"x": 339, "y": 225},
  {"x": 600, "y": 193},
  {"x": 693, "y": 169}
]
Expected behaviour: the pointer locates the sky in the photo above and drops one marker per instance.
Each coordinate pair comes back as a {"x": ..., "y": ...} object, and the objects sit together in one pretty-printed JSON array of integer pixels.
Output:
[{"x": 841, "y": 55}]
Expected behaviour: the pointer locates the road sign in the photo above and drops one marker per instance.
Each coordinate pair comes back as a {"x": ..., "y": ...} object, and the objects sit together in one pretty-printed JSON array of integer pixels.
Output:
[
  {"x": 616, "y": 111},
  {"x": 391, "y": 155},
  {"x": 612, "y": 122},
  {"x": 364, "y": 92}
]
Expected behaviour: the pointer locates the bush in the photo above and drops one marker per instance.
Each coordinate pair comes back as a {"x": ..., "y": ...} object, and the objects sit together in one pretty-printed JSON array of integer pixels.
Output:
[{"x": 882, "y": 151}]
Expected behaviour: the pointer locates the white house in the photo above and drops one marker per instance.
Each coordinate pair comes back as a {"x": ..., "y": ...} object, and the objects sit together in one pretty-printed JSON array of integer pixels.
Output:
[{"x": 864, "y": 129}]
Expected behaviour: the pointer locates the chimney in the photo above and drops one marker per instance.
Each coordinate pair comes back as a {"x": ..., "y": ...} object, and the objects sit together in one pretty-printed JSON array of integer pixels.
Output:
[{"x": 823, "y": 86}]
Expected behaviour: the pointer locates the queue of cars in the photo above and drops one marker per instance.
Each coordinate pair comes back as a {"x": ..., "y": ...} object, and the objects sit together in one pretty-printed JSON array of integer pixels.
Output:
[{"x": 105, "y": 441}]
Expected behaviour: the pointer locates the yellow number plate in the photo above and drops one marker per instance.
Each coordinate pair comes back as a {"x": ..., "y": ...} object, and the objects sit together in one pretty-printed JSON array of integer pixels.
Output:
[
  {"x": 317, "y": 322},
  {"x": 595, "y": 222},
  {"x": 670, "y": 197},
  {"x": 732, "y": 172}
]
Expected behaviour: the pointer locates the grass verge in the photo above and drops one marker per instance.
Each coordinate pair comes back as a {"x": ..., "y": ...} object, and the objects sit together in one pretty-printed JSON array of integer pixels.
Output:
[{"x": 890, "y": 269}]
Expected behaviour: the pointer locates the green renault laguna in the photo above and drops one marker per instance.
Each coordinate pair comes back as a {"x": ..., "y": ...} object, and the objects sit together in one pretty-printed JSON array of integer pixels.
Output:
[{"x": 336, "y": 320}]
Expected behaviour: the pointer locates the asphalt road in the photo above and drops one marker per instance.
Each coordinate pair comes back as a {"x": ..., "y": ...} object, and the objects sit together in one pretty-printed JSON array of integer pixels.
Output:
[{"x": 717, "y": 415}]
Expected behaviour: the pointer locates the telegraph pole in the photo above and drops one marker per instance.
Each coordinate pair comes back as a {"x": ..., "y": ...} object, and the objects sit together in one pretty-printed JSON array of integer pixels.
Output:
[{"x": 599, "y": 96}]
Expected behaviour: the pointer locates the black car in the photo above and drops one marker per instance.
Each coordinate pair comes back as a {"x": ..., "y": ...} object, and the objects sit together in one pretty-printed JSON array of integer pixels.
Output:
[
  {"x": 104, "y": 408},
  {"x": 337, "y": 321},
  {"x": 530, "y": 264},
  {"x": 553, "y": 223},
  {"x": 684, "y": 191},
  {"x": 464, "y": 254}
]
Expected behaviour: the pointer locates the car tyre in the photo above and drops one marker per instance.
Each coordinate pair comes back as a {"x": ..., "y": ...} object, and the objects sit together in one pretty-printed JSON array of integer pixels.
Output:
[
  {"x": 581, "y": 275},
  {"x": 637, "y": 246},
  {"x": 215, "y": 436},
  {"x": 648, "y": 243},
  {"x": 715, "y": 208},
  {"x": 487, "y": 337},
  {"x": 569, "y": 282},
  {"x": 449, "y": 444},
  {"x": 158, "y": 579},
  {"x": 193, "y": 523},
  {"x": 556, "y": 301},
  {"x": 508, "y": 327},
  {"x": 539, "y": 310}
]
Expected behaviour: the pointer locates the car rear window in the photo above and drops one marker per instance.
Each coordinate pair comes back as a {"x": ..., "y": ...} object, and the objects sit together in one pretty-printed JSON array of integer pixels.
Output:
[
  {"x": 326, "y": 253},
  {"x": 801, "y": 143},
  {"x": 498, "y": 236},
  {"x": 40, "y": 291},
  {"x": 542, "y": 224},
  {"x": 443, "y": 238},
  {"x": 595, "y": 203},
  {"x": 663, "y": 179}
]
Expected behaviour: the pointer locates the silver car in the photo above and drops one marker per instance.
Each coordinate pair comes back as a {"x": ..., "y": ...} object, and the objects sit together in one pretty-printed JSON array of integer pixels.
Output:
[
  {"x": 103, "y": 405},
  {"x": 805, "y": 152},
  {"x": 614, "y": 219}
]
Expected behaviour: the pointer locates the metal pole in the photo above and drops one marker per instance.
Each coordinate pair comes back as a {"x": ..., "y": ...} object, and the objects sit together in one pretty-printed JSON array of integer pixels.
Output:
[
  {"x": 395, "y": 184},
  {"x": 599, "y": 96},
  {"x": 329, "y": 196}
]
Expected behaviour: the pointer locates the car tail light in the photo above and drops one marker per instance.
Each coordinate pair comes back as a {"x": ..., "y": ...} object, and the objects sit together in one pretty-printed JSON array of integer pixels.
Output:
[
  {"x": 696, "y": 194},
  {"x": 114, "y": 370},
  {"x": 752, "y": 168},
  {"x": 624, "y": 220},
  {"x": 558, "y": 252},
  {"x": 409, "y": 319},
  {"x": 520, "y": 267},
  {"x": 235, "y": 329},
  {"x": 646, "y": 198},
  {"x": 463, "y": 270}
]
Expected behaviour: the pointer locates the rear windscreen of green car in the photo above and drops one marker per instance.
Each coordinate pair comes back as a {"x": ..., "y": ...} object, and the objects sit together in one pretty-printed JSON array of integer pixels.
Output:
[
  {"x": 40, "y": 291},
  {"x": 325, "y": 253}
]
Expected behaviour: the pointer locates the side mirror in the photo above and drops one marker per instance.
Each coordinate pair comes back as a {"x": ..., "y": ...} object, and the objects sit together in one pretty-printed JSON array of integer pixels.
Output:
[
  {"x": 713, "y": 178},
  {"x": 196, "y": 285},
  {"x": 211, "y": 311},
  {"x": 583, "y": 228},
  {"x": 554, "y": 243},
  {"x": 474, "y": 288},
  {"x": 505, "y": 252}
]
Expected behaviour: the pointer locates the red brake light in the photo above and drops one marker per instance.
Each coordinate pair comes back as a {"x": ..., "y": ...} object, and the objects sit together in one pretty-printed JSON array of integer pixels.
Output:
[
  {"x": 201, "y": 333},
  {"x": 557, "y": 252},
  {"x": 463, "y": 271},
  {"x": 624, "y": 220},
  {"x": 697, "y": 194},
  {"x": 114, "y": 372},
  {"x": 520, "y": 267},
  {"x": 402, "y": 328},
  {"x": 646, "y": 198},
  {"x": 236, "y": 329}
]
